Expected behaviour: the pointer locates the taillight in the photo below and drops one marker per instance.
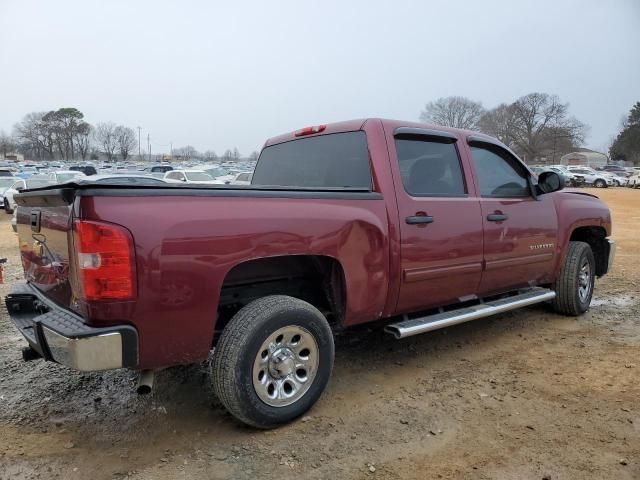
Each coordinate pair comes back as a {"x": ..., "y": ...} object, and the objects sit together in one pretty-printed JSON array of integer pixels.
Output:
[
  {"x": 310, "y": 130},
  {"x": 105, "y": 261}
]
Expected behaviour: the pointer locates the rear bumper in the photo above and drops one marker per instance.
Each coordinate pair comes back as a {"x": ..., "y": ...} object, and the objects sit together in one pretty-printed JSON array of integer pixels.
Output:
[{"x": 61, "y": 336}]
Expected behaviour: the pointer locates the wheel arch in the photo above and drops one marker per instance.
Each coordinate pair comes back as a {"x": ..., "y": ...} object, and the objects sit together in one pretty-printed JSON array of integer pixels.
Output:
[
  {"x": 595, "y": 236},
  {"x": 317, "y": 279}
]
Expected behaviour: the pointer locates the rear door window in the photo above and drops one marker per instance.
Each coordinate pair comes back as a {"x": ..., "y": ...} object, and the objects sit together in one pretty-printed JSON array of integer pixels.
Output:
[
  {"x": 430, "y": 168},
  {"x": 339, "y": 160}
]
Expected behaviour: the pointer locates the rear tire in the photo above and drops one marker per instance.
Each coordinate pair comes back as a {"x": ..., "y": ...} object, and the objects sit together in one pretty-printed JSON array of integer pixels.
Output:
[
  {"x": 7, "y": 207},
  {"x": 574, "y": 286},
  {"x": 600, "y": 183},
  {"x": 273, "y": 361}
]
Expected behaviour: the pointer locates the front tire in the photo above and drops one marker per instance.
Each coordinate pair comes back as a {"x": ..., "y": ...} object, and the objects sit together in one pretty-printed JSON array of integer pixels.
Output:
[
  {"x": 7, "y": 207},
  {"x": 273, "y": 361},
  {"x": 600, "y": 183},
  {"x": 574, "y": 286}
]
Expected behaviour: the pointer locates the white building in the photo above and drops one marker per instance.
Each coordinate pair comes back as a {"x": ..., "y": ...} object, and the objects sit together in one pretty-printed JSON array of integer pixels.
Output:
[{"x": 584, "y": 156}]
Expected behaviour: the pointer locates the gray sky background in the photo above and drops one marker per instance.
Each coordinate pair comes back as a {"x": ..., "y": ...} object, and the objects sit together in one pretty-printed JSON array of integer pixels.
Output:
[{"x": 217, "y": 75}]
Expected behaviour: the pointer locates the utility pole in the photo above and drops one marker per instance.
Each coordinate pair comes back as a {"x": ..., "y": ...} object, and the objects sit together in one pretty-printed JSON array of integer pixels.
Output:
[
  {"x": 149, "y": 146},
  {"x": 139, "y": 156}
]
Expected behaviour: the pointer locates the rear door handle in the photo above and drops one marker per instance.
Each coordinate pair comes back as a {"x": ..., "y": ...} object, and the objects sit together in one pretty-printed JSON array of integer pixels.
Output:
[
  {"x": 419, "y": 219},
  {"x": 497, "y": 217}
]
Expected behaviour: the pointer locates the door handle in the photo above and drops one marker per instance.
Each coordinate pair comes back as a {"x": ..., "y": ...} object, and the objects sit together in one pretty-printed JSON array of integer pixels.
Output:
[
  {"x": 497, "y": 217},
  {"x": 419, "y": 219}
]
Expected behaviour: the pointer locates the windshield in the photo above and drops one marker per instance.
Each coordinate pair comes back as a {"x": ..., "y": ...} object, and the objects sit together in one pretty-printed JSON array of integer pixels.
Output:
[
  {"x": 6, "y": 182},
  {"x": 36, "y": 182},
  {"x": 198, "y": 177},
  {"x": 65, "y": 177},
  {"x": 216, "y": 171}
]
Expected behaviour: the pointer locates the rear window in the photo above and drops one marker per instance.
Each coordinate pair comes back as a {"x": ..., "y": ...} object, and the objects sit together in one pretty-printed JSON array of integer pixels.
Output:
[{"x": 339, "y": 160}]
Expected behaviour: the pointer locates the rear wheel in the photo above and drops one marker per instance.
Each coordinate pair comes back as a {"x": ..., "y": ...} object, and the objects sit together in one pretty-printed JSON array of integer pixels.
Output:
[
  {"x": 599, "y": 183},
  {"x": 273, "y": 361},
  {"x": 7, "y": 207},
  {"x": 574, "y": 286}
]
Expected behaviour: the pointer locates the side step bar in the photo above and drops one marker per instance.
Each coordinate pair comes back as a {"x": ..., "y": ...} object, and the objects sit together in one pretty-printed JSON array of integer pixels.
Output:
[{"x": 414, "y": 326}]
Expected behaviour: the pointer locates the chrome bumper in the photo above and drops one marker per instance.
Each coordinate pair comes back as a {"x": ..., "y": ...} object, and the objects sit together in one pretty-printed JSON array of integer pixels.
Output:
[
  {"x": 61, "y": 336},
  {"x": 87, "y": 354}
]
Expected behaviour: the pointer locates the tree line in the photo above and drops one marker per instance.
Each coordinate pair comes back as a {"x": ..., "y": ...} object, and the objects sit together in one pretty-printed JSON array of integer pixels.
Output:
[
  {"x": 65, "y": 134},
  {"x": 626, "y": 146},
  {"x": 537, "y": 126}
]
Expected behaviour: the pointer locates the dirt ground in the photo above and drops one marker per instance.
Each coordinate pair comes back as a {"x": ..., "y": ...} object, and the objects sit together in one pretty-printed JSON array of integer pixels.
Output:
[{"x": 526, "y": 395}]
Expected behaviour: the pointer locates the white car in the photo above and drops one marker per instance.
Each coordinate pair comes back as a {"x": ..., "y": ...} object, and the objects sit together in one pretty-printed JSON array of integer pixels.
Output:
[
  {"x": 191, "y": 176},
  {"x": 591, "y": 177},
  {"x": 9, "y": 202},
  {"x": 64, "y": 176},
  {"x": 242, "y": 178},
  {"x": 6, "y": 182},
  {"x": 218, "y": 173},
  {"x": 634, "y": 180}
]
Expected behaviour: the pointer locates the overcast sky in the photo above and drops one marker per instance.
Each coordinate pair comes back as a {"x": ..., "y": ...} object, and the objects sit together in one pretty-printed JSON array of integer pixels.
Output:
[{"x": 217, "y": 75}]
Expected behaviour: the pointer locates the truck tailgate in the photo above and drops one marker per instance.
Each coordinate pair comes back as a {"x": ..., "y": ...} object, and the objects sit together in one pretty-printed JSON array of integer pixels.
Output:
[{"x": 44, "y": 236}]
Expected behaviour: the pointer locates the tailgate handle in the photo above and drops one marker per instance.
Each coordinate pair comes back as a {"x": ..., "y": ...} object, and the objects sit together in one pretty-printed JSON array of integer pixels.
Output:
[{"x": 35, "y": 221}]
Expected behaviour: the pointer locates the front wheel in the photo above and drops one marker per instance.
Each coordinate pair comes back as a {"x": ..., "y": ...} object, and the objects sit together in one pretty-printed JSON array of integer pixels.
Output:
[
  {"x": 273, "y": 361},
  {"x": 574, "y": 286},
  {"x": 7, "y": 207},
  {"x": 600, "y": 183}
]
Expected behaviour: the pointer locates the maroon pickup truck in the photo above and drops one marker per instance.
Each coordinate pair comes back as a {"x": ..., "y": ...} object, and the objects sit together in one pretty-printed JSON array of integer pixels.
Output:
[{"x": 416, "y": 227}]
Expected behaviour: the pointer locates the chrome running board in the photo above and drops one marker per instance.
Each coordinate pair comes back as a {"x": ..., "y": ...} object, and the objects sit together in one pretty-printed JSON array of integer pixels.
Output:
[{"x": 414, "y": 326}]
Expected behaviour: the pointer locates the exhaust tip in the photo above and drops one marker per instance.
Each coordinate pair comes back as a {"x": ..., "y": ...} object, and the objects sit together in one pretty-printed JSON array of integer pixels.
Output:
[{"x": 145, "y": 382}]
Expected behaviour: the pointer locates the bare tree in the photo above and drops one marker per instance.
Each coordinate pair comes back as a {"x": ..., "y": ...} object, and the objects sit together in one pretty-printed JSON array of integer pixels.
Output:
[
  {"x": 457, "y": 112},
  {"x": 210, "y": 156},
  {"x": 228, "y": 156},
  {"x": 126, "y": 140},
  {"x": 254, "y": 156},
  {"x": 106, "y": 137},
  {"x": 7, "y": 144},
  {"x": 34, "y": 136},
  {"x": 536, "y": 125},
  {"x": 83, "y": 140},
  {"x": 236, "y": 154}
]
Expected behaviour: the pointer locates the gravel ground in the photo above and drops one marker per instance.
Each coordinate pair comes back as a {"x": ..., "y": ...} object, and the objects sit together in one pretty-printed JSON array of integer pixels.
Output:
[{"x": 526, "y": 395}]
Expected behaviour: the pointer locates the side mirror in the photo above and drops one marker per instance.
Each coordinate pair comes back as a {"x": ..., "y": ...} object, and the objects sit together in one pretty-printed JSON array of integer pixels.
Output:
[
  {"x": 550, "y": 182},
  {"x": 19, "y": 188},
  {"x": 183, "y": 179}
]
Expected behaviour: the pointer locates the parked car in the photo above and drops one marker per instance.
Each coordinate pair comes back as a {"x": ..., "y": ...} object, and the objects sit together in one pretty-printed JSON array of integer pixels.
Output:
[
  {"x": 242, "y": 178},
  {"x": 26, "y": 172},
  {"x": 64, "y": 176},
  {"x": 591, "y": 177},
  {"x": 218, "y": 173},
  {"x": 86, "y": 169},
  {"x": 634, "y": 180},
  {"x": 123, "y": 179},
  {"x": 612, "y": 168},
  {"x": 6, "y": 172},
  {"x": 191, "y": 176},
  {"x": 8, "y": 200},
  {"x": 5, "y": 183},
  {"x": 158, "y": 170},
  {"x": 361, "y": 221}
]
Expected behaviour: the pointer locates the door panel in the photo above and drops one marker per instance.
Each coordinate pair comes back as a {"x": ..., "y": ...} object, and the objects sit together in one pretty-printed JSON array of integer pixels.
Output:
[
  {"x": 440, "y": 224},
  {"x": 441, "y": 261},
  {"x": 520, "y": 231},
  {"x": 518, "y": 251}
]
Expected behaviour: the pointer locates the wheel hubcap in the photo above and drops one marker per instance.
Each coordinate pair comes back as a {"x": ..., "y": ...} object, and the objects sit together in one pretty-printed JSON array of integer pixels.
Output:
[
  {"x": 585, "y": 281},
  {"x": 285, "y": 366}
]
